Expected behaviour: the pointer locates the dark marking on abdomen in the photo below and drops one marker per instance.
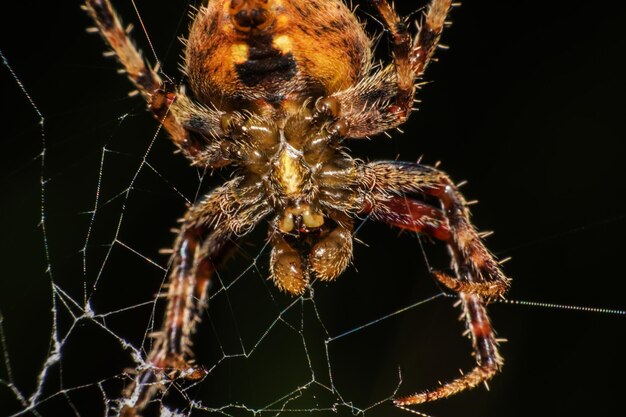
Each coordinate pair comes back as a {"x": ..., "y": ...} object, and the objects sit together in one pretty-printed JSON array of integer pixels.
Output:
[{"x": 265, "y": 63}]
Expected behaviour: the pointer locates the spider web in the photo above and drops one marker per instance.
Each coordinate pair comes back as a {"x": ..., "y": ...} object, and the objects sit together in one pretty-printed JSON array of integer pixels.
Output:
[
  {"x": 98, "y": 318},
  {"x": 102, "y": 188}
]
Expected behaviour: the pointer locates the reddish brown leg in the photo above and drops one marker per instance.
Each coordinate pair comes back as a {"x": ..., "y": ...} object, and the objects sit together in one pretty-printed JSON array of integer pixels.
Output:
[
  {"x": 204, "y": 242},
  {"x": 401, "y": 49},
  {"x": 411, "y": 56},
  {"x": 186, "y": 294},
  {"x": 485, "y": 347},
  {"x": 385, "y": 100},
  {"x": 194, "y": 262},
  {"x": 476, "y": 269},
  {"x": 477, "y": 273},
  {"x": 429, "y": 34},
  {"x": 413, "y": 215},
  {"x": 171, "y": 106}
]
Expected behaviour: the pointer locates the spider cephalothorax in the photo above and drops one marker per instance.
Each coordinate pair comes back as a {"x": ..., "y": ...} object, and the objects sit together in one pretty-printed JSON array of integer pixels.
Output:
[
  {"x": 295, "y": 167},
  {"x": 278, "y": 86}
]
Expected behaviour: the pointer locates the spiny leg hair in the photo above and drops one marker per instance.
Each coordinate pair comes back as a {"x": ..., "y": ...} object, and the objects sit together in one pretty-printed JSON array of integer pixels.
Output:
[
  {"x": 385, "y": 99},
  {"x": 205, "y": 239},
  {"x": 178, "y": 114},
  {"x": 477, "y": 277}
]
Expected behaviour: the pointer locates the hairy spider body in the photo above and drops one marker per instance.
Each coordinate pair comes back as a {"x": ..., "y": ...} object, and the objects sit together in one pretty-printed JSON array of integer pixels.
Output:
[
  {"x": 278, "y": 86},
  {"x": 289, "y": 52}
]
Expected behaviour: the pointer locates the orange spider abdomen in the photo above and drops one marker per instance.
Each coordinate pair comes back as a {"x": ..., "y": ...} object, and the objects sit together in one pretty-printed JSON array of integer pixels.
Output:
[{"x": 242, "y": 52}]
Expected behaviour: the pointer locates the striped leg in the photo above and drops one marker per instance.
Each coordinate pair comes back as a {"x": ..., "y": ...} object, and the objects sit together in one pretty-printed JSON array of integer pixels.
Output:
[
  {"x": 194, "y": 262},
  {"x": 477, "y": 274},
  {"x": 177, "y": 113},
  {"x": 385, "y": 100},
  {"x": 205, "y": 240}
]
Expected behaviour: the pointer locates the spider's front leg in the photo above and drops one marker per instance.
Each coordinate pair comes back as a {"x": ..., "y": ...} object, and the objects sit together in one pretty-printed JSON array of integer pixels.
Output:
[
  {"x": 478, "y": 277},
  {"x": 190, "y": 125},
  {"x": 205, "y": 239}
]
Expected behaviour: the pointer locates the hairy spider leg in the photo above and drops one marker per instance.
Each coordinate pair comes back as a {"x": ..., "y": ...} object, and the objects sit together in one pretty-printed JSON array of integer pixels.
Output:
[
  {"x": 205, "y": 240},
  {"x": 476, "y": 270},
  {"x": 401, "y": 51},
  {"x": 385, "y": 99},
  {"x": 484, "y": 345},
  {"x": 169, "y": 104}
]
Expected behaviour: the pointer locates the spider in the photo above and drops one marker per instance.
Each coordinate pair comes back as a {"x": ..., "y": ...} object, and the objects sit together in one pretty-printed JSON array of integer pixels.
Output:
[{"x": 278, "y": 87}]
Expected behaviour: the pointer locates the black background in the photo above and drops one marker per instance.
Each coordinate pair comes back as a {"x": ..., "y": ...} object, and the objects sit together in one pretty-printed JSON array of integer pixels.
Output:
[{"x": 527, "y": 105}]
